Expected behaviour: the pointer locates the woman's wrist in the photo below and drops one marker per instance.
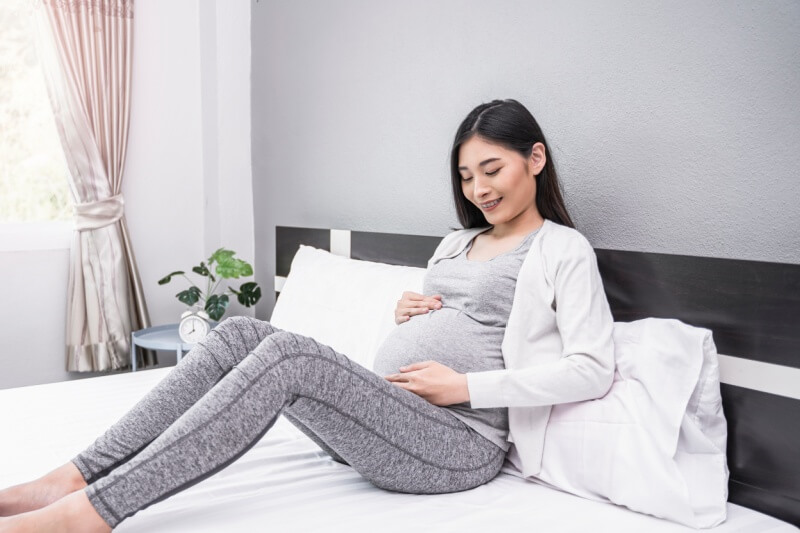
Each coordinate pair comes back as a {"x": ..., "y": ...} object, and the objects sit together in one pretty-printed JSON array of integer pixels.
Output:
[{"x": 464, "y": 387}]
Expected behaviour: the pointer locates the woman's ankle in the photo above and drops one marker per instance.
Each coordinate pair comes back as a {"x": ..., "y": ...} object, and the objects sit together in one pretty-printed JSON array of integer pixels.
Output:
[
  {"x": 82, "y": 515},
  {"x": 73, "y": 513},
  {"x": 41, "y": 492},
  {"x": 67, "y": 476}
]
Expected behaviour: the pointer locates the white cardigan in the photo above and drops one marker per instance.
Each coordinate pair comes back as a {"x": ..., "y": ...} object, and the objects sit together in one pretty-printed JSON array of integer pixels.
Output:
[{"x": 558, "y": 345}]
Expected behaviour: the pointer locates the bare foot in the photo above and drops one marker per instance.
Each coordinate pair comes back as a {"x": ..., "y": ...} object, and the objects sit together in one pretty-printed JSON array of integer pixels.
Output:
[
  {"x": 72, "y": 513},
  {"x": 41, "y": 492}
]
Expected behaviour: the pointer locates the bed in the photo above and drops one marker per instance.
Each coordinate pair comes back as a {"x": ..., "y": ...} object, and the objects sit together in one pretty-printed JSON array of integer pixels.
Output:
[{"x": 287, "y": 483}]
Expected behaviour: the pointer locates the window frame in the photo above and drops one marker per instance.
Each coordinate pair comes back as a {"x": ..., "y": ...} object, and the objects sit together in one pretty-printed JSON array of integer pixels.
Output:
[{"x": 33, "y": 236}]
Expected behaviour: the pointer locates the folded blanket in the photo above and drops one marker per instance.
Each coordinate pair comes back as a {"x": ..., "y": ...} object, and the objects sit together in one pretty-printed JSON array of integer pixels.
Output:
[{"x": 656, "y": 441}]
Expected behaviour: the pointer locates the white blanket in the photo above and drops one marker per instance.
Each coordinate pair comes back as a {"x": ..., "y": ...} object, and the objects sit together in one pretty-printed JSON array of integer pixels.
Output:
[
  {"x": 656, "y": 441},
  {"x": 286, "y": 483}
]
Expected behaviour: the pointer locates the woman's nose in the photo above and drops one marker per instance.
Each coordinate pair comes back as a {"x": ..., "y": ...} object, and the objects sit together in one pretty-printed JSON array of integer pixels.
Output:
[{"x": 482, "y": 188}]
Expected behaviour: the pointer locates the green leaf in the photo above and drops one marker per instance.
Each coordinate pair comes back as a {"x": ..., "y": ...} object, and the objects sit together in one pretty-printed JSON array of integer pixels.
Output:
[
  {"x": 249, "y": 295},
  {"x": 216, "y": 305},
  {"x": 189, "y": 296},
  {"x": 166, "y": 279},
  {"x": 219, "y": 255},
  {"x": 203, "y": 271},
  {"x": 229, "y": 266}
]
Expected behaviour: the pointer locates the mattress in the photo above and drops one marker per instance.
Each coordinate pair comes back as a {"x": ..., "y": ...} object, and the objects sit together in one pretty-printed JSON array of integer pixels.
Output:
[{"x": 287, "y": 483}]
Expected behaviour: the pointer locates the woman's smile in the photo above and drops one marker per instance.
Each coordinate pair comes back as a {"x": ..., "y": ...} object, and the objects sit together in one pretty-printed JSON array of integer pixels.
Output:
[{"x": 489, "y": 206}]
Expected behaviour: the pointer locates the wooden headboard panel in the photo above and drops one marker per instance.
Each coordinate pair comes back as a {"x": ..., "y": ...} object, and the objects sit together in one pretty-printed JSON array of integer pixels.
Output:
[{"x": 752, "y": 308}]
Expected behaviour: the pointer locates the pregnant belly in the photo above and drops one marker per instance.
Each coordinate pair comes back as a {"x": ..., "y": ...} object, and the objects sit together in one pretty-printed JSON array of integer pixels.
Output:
[{"x": 447, "y": 336}]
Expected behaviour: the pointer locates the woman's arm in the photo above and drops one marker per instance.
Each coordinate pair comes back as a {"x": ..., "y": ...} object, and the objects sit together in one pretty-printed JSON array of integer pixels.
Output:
[{"x": 585, "y": 324}]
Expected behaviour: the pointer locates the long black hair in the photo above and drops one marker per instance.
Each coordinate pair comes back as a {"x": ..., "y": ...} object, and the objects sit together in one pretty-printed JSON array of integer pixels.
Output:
[{"x": 509, "y": 124}]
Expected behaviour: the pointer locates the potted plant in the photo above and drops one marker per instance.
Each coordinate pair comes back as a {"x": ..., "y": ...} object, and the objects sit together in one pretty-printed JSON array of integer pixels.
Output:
[{"x": 226, "y": 266}]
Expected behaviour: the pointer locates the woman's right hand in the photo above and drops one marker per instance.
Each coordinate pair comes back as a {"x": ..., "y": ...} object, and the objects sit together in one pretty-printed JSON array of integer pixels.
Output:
[{"x": 411, "y": 304}]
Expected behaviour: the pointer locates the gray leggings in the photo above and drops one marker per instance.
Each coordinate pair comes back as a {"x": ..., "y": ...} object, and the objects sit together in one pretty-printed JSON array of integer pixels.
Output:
[{"x": 227, "y": 392}]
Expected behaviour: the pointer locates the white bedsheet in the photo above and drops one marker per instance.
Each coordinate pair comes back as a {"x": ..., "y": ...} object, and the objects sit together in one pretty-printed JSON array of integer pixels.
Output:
[{"x": 287, "y": 483}]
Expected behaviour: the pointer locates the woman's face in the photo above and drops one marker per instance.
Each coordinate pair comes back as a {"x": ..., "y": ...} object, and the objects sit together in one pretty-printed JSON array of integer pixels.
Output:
[{"x": 490, "y": 172}]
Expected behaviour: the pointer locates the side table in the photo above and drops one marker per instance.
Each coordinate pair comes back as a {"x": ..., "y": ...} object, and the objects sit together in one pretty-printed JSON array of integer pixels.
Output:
[{"x": 158, "y": 338}]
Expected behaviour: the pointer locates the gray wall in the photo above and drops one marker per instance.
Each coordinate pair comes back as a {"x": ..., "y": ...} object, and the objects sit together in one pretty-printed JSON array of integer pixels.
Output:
[{"x": 674, "y": 125}]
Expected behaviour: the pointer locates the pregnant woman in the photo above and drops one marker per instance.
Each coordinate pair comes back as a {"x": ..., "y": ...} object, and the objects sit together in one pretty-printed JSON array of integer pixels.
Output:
[{"x": 513, "y": 319}]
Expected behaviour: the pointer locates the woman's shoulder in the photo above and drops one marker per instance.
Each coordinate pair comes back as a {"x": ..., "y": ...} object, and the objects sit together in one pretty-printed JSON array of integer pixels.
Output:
[{"x": 564, "y": 241}]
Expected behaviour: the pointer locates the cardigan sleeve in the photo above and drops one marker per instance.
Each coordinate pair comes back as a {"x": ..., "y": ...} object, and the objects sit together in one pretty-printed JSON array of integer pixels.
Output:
[{"x": 585, "y": 369}]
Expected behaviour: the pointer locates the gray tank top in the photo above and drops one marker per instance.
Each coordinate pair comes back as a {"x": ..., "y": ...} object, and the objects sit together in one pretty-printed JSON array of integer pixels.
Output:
[{"x": 466, "y": 334}]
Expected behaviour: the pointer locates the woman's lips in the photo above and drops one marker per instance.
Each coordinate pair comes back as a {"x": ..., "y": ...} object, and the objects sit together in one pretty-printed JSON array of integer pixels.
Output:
[{"x": 494, "y": 206}]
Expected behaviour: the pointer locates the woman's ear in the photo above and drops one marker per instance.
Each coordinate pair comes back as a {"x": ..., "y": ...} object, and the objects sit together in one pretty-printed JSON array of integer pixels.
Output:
[{"x": 537, "y": 158}]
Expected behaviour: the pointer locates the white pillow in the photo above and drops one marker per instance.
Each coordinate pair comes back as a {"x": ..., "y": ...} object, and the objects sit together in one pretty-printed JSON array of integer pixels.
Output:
[
  {"x": 654, "y": 443},
  {"x": 344, "y": 303}
]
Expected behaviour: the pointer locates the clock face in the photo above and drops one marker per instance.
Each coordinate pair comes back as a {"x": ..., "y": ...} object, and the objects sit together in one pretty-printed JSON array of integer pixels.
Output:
[{"x": 193, "y": 329}]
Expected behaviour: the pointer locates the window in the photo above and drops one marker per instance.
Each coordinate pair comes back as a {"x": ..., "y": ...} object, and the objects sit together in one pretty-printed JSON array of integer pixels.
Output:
[{"x": 33, "y": 172}]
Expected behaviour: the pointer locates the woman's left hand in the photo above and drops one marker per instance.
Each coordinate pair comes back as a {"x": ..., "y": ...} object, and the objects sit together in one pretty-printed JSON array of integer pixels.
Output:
[{"x": 437, "y": 383}]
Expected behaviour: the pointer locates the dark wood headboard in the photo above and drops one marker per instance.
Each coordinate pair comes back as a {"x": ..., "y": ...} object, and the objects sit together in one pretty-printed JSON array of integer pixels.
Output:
[{"x": 752, "y": 308}]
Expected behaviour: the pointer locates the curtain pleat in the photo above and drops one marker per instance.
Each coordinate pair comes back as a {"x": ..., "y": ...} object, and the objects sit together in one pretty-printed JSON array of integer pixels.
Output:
[{"x": 85, "y": 48}]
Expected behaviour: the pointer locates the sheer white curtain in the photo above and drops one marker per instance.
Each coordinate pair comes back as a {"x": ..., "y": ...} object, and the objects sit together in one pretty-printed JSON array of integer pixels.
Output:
[{"x": 85, "y": 48}]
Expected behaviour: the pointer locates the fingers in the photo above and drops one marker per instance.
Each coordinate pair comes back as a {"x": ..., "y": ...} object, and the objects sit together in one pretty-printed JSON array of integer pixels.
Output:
[
  {"x": 434, "y": 300},
  {"x": 422, "y": 305},
  {"x": 416, "y": 297},
  {"x": 404, "y": 385},
  {"x": 409, "y": 295},
  {"x": 413, "y": 303},
  {"x": 398, "y": 378},
  {"x": 415, "y": 366},
  {"x": 404, "y": 313},
  {"x": 408, "y": 372}
]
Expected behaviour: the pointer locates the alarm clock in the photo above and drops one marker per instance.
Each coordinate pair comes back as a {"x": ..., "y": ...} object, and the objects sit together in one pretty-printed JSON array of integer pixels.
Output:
[{"x": 194, "y": 326}]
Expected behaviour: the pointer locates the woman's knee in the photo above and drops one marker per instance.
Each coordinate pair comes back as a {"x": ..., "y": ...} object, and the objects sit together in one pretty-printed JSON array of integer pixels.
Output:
[
  {"x": 300, "y": 361},
  {"x": 284, "y": 343},
  {"x": 232, "y": 339},
  {"x": 237, "y": 323},
  {"x": 247, "y": 329}
]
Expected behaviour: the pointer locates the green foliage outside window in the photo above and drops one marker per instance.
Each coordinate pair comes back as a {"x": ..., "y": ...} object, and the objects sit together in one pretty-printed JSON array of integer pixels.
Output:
[{"x": 33, "y": 172}]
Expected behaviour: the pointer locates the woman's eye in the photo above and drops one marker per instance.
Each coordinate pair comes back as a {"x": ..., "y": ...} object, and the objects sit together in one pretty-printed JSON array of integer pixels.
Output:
[
  {"x": 493, "y": 173},
  {"x": 465, "y": 179}
]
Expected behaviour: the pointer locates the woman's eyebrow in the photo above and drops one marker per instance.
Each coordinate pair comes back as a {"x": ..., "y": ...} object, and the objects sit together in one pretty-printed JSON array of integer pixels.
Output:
[{"x": 482, "y": 163}]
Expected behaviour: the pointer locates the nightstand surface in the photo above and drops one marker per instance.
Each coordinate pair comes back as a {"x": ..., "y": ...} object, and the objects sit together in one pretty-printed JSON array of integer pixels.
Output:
[{"x": 158, "y": 338}]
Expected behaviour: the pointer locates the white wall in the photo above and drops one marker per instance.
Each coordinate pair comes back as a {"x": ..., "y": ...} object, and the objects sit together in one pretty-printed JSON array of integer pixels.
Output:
[
  {"x": 33, "y": 313},
  {"x": 225, "y": 55},
  {"x": 187, "y": 183}
]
